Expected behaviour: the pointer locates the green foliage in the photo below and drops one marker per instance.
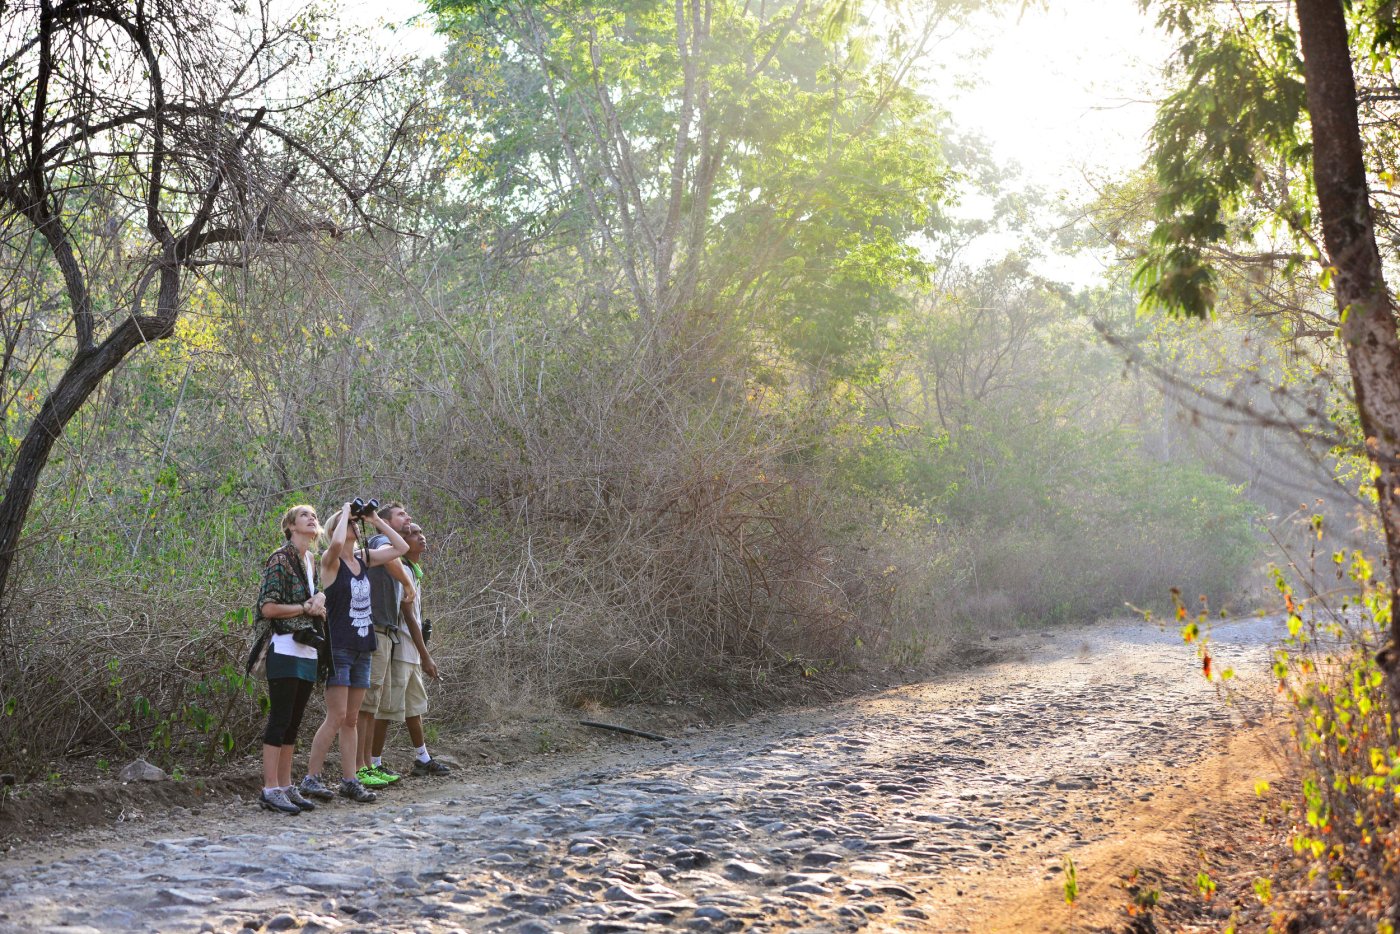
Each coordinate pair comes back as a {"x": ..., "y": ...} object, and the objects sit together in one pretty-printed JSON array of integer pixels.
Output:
[
  {"x": 151, "y": 661},
  {"x": 805, "y": 165},
  {"x": 1239, "y": 106},
  {"x": 1346, "y": 738},
  {"x": 1047, "y": 502}
]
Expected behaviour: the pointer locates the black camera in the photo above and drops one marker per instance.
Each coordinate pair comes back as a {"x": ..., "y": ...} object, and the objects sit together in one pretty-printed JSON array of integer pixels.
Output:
[
  {"x": 311, "y": 637},
  {"x": 427, "y": 628},
  {"x": 359, "y": 509}
]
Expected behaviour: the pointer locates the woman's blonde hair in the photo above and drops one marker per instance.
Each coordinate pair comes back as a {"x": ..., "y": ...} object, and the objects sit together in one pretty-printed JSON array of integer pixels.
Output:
[{"x": 290, "y": 517}]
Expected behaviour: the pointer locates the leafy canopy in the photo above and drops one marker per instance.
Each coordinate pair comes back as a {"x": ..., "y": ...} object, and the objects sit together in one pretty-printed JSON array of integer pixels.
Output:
[{"x": 1237, "y": 116}]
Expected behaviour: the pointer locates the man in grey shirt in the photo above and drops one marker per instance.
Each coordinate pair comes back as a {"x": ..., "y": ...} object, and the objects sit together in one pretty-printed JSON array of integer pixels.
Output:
[{"x": 384, "y": 689}]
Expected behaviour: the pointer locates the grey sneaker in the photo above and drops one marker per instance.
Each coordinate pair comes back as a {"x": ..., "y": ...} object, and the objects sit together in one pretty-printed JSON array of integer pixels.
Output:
[
  {"x": 295, "y": 797},
  {"x": 276, "y": 800},
  {"x": 352, "y": 789},
  {"x": 431, "y": 767},
  {"x": 314, "y": 787}
]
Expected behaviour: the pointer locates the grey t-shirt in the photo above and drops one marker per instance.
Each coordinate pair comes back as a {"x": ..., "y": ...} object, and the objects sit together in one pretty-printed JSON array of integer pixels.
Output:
[{"x": 383, "y": 592}]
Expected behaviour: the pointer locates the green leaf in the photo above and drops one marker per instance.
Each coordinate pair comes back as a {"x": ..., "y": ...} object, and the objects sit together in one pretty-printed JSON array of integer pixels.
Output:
[{"x": 1071, "y": 884}]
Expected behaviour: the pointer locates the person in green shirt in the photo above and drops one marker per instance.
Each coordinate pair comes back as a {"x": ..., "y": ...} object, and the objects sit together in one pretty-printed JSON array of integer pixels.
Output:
[{"x": 413, "y": 660}]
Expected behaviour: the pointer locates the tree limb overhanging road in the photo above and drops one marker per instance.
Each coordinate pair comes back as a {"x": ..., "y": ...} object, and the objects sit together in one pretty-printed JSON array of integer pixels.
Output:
[{"x": 942, "y": 806}]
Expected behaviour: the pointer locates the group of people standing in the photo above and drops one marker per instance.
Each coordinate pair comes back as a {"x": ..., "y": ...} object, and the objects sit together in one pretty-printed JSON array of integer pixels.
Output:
[{"x": 351, "y": 619}]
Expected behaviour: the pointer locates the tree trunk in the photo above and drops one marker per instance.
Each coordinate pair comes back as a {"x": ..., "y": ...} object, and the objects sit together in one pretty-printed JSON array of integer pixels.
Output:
[
  {"x": 1367, "y": 315},
  {"x": 84, "y": 374}
]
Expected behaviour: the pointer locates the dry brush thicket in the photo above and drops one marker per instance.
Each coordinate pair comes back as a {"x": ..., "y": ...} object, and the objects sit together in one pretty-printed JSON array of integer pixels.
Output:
[
  {"x": 605, "y": 522},
  {"x": 598, "y": 530}
]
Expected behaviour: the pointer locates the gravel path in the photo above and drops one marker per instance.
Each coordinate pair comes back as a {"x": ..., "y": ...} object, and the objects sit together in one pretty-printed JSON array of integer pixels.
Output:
[{"x": 898, "y": 811}]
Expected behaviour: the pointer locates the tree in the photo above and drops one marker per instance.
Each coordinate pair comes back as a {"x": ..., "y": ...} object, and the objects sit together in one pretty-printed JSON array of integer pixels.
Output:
[
  {"x": 714, "y": 170},
  {"x": 145, "y": 144},
  {"x": 1261, "y": 88}
]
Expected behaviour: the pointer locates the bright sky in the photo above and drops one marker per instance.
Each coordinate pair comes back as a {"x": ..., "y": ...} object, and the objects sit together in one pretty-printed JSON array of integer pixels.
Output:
[
  {"x": 1066, "y": 90},
  {"x": 1067, "y": 94},
  {"x": 400, "y": 34}
]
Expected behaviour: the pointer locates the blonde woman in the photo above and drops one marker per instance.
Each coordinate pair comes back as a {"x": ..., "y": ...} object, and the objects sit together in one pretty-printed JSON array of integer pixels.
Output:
[
  {"x": 345, "y": 579},
  {"x": 293, "y": 613}
]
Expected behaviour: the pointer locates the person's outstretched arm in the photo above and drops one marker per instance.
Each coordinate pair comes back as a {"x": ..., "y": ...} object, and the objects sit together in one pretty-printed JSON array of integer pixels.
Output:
[
  {"x": 330, "y": 560},
  {"x": 396, "y": 548}
]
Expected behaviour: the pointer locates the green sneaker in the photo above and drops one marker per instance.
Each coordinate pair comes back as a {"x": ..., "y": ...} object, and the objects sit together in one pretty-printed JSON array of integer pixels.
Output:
[
  {"x": 384, "y": 772},
  {"x": 370, "y": 779}
]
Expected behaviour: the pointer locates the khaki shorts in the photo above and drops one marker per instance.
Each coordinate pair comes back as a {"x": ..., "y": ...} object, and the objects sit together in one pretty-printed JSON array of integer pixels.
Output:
[
  {"x": 382, "y": 689},
  {"x": 414, "y": 695}
]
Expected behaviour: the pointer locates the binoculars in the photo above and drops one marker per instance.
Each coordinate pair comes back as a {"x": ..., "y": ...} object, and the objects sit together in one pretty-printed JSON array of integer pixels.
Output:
[{"x": 359, "y": 509}]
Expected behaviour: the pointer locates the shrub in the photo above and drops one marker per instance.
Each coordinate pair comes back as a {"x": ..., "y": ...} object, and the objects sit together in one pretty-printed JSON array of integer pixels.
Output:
[{"x": 1347, "y": 748}]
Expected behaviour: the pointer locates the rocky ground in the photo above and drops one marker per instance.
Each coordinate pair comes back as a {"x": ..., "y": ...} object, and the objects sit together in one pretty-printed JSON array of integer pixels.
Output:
[{"x": 947, "y": 806}]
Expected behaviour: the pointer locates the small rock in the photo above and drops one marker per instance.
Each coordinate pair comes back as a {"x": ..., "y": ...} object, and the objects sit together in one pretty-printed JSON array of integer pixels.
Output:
[
  {"x": 741, "y": 871},
  {"x": 870, "y": 868},
  {"x": 691, "y": 859},
  {"x": 654, "y": 916},
  {"x": 282, "y": 922},
  {"x": 186, "y": 897},
  {"x": 140, "y": 770},
  {"x": 621, "y": 893}
]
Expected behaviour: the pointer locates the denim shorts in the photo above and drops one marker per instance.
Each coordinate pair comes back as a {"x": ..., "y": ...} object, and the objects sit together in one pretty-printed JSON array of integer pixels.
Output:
[{"x": 351, "y": 668}]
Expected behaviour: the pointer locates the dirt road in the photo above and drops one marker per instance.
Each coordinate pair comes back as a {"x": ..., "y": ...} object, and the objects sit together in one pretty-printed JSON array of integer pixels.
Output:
[{"x": 947, "y": 806}]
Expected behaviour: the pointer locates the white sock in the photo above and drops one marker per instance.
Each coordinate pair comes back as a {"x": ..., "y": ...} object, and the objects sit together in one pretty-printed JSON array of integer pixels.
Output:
[
  {"x": 268, "y": 791},
  {"x": 376, "y": 761},
  {"x": 423, "y": 753}
]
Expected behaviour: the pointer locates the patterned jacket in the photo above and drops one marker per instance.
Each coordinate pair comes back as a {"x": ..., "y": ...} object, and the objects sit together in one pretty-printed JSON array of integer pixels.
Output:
[{"x": 284, "y": 581}]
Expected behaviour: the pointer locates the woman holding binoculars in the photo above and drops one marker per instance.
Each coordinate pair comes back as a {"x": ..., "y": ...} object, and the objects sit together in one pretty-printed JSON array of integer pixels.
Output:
[
  {"x": 345, "y": 579},
  {"x": 292, "y": 613}
]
